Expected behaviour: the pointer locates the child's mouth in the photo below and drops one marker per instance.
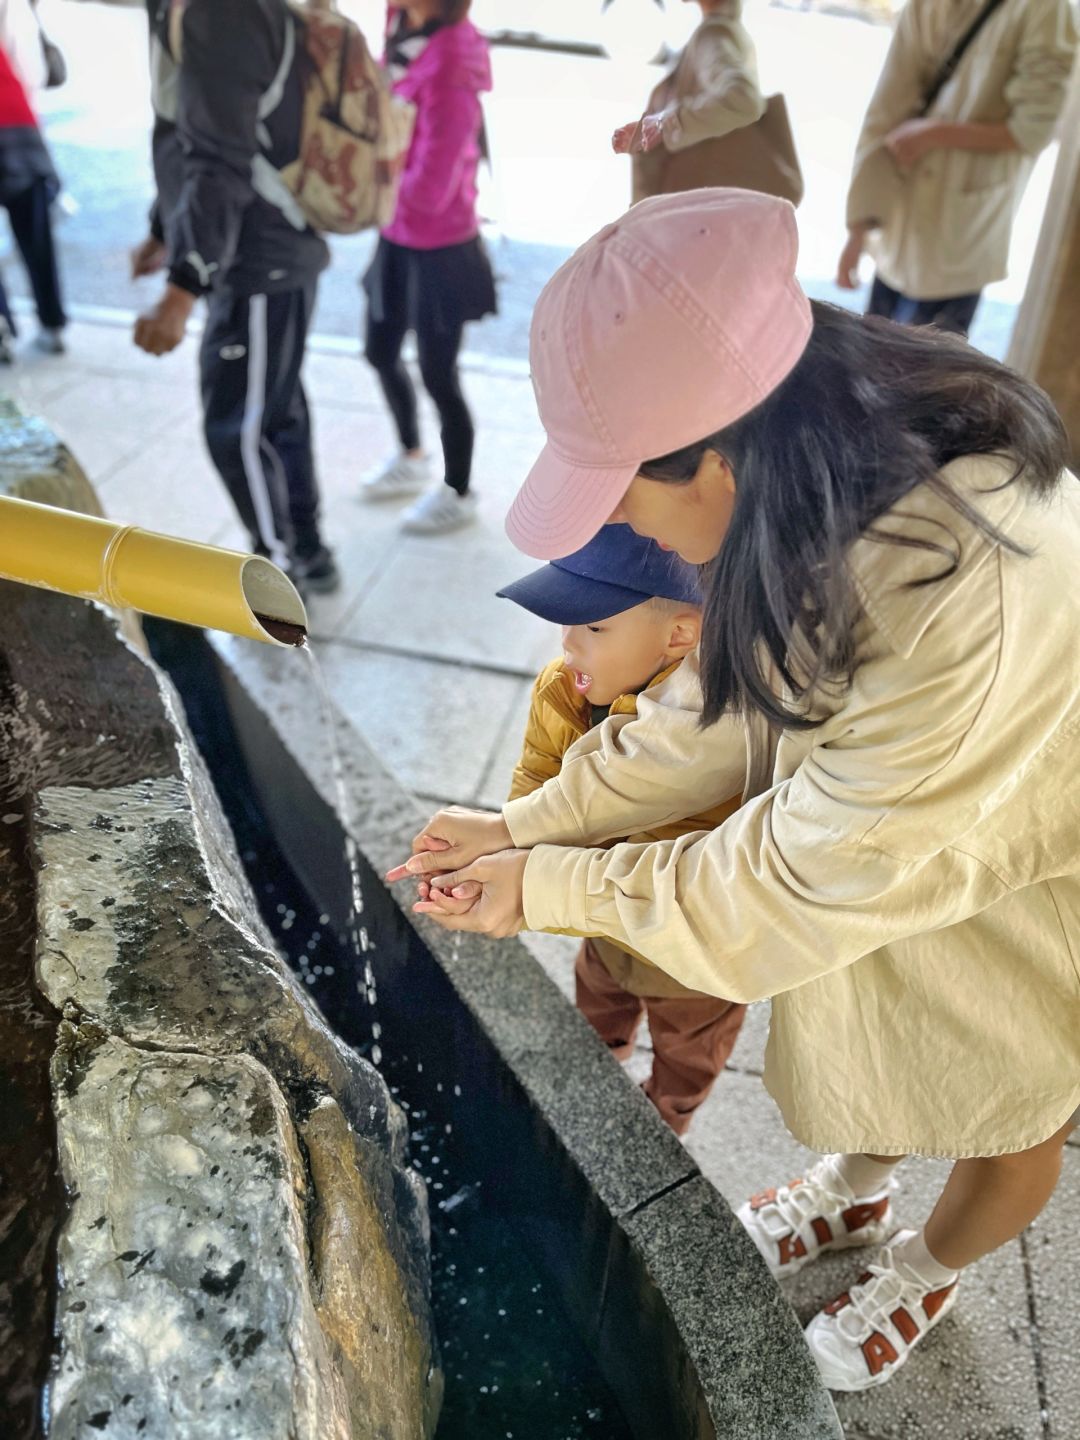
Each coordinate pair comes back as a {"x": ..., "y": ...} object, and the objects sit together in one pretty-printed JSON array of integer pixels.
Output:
[{"x": 581, "y": 681}]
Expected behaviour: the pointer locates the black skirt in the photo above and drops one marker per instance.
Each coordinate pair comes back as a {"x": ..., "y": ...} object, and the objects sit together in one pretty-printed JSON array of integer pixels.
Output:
[{"x": 433, "y": 290}]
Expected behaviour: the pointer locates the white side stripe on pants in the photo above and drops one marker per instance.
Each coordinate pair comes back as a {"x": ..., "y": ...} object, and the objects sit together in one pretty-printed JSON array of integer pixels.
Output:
[{"x": 251, "y": 429}]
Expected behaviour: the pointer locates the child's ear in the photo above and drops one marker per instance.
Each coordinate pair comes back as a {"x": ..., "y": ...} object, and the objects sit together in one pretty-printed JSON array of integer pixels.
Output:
[{"x": 685, "y": 633}]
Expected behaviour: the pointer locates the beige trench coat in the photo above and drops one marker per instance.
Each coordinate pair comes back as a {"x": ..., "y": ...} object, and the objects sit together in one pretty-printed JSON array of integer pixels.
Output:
[
  {"x": 710, "y": 90},
  {"x": 945, "y": 224},
  {"x": 904, "y": 878}
]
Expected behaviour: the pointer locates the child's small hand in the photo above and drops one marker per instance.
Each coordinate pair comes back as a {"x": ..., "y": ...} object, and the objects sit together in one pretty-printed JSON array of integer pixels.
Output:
[
  {"x": 452, "y": 839},
  {"x": 498, "y": 908}
]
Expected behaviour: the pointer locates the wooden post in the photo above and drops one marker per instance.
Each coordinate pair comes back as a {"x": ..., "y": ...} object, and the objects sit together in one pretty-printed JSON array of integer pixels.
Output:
[{"x": 1044, "y": 341}]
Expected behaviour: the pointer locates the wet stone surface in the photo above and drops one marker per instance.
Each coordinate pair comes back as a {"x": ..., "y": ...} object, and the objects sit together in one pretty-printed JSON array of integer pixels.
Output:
[
  {"x": 256, "y": 1260},
  {"x": 184, "y": 1256}
]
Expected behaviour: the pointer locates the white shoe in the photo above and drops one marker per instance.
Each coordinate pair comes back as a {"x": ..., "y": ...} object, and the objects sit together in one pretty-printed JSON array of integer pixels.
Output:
[
  {"x": 867, "y": 1333},
  {"x": 50, "y": 342},
  {"x": 794, "y": 1224},
  {"x": 398, "y": 475},
  {"x": 439, "y": 511}
]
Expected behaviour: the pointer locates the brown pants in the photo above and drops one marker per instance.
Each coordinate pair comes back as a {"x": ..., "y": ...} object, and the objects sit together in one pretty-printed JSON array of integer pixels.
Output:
[{"x": 692, "y": 1035}]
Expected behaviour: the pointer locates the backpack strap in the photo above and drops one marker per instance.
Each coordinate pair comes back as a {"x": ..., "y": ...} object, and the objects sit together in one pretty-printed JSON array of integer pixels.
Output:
[
  {"x": 275, "y": 92},
  {"x": 959, "y": 50}
]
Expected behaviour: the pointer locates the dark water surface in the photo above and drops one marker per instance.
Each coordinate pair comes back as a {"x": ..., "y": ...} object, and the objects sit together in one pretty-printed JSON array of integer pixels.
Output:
[{"x": 516, "y": 1368}]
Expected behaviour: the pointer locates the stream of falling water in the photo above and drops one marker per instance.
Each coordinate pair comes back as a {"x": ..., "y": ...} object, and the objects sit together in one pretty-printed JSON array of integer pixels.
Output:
[{"x": 356, "y": 935}]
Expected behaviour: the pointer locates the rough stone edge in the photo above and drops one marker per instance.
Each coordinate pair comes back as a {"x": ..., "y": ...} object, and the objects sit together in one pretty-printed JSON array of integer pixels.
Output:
[
  {"x": 35, "y": 464},
  {"x": 382, "y": 820}
]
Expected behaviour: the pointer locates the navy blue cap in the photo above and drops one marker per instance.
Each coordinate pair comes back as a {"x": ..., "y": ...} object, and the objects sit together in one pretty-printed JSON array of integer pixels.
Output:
[{"x": 617, "y": 570}]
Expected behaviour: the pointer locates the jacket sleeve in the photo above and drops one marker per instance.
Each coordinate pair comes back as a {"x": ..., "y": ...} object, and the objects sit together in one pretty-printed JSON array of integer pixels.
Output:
[
  {"x": 635, "y": 773},
  {"x": 727, "y": 97},
  {"x": 905, "y": 78},
  {"x": 229, "y": 57},
  {"x": 541, "y": 758},
  {"x": 447, "y": 122},
  {"x": 861, "y": 847},
  {"x": 1037, "y": 88},
  {"x": 168, "y": 162}
]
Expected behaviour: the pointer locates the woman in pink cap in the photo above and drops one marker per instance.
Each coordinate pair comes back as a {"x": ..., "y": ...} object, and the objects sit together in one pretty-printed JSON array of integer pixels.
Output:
[{"x": 889, "y": 667}]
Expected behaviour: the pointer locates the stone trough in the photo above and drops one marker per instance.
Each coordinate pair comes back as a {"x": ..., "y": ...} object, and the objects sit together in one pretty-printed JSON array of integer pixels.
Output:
[
  {"x": 208, "y": 1226},
  {"x": 242, "y": 1242}
]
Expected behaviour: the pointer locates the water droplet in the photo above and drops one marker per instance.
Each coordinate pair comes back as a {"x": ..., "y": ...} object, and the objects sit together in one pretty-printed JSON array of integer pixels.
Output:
[
  {"x": 328, "y": 969},
  {"x": 324, "y": 919},
  {"x": 376, "y": 1055}
]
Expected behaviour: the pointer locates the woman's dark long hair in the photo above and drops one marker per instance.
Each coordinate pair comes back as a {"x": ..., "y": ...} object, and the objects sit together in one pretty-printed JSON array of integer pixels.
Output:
[{"x": 871, "y": 410}]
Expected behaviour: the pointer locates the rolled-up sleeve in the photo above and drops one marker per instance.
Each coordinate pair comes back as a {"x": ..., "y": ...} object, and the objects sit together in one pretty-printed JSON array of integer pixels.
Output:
[
  {"x": 727, "y": 95},
  {"x": 1037, "y": 89}
]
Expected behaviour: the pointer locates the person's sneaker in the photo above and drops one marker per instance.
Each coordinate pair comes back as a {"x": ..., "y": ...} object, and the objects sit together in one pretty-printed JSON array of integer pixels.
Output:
[
  {"x": 794, "y": 1224},
  {"x": 397, "y": 476},
  {"x": 439, "y": 511},
  {"x": 50, "y": 342},
  {"x": 316, "y": 574},
  {"x": 863, "y": 1337}
]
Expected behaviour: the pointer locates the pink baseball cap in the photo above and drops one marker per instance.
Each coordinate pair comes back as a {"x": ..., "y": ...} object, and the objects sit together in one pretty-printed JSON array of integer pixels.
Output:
[{"x": 663, "y": 328}]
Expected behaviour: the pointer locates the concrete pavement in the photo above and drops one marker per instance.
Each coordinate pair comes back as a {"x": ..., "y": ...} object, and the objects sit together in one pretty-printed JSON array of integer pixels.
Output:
[{"x": 436, "y": 674}]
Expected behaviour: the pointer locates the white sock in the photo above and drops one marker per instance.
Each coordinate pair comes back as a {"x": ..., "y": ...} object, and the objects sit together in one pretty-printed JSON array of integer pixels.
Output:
[
  {"x": 864, "y": 1176},
  {"x": 917, "y": 1257}
]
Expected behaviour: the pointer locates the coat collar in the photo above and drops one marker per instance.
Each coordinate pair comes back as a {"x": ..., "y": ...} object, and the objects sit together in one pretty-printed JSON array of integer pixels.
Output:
[
  {"x": 884, "y": 575},
  {"x": 558, "y": 691}
]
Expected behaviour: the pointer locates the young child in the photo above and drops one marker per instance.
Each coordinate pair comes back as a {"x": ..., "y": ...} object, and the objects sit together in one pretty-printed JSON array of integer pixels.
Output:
[{"x": 629, "y": 612}]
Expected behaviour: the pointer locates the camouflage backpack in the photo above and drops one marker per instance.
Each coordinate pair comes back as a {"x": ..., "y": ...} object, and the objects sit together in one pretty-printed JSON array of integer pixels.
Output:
[{"x": 354, "y": 135}]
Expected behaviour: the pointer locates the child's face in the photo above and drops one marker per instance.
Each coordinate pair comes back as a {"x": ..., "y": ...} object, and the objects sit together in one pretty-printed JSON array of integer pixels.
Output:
[{"x": 620, "y": 655}]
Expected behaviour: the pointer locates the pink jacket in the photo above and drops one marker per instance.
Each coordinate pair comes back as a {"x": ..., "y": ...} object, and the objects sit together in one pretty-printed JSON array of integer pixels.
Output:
[{"x": 437, "y": 201}]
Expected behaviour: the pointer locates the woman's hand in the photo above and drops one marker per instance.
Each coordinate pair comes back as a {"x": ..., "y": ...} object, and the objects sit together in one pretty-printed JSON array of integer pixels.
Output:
[
  {"x": 485, "y": 898},
  {"x": 847, "y": 269},
  {"x": 639, "y": 135},
  {"x": 909, "y": 142},
  {"x": 452, "y": 839}
]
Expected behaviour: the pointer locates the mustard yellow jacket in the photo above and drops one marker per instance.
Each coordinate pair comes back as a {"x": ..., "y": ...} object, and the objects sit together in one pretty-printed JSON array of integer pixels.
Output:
[
  {"x": 558, "y": 718},
  {"x": 904, "y": 878}
]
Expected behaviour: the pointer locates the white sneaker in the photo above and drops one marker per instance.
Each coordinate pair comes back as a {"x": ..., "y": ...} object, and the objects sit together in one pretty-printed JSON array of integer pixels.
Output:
[
  {"x": 439, "y": 511},
  {"x": 50, "y": 342},
  {"x": 866, "y": 1334},
  {"x": 398, "y": 475},
  {"x": 794, "y": 1224}
]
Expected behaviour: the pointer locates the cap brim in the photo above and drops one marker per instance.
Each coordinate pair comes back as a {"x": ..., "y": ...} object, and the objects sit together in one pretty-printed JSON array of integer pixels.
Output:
[
  {"x": 561, "y": 506},
  {"x": 568, "y": 599}
]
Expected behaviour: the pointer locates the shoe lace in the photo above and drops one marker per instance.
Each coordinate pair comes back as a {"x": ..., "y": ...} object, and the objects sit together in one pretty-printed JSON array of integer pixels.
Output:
[
  {"x": 794, "y": 1204},
  {"x": 875, "y": 1300}
]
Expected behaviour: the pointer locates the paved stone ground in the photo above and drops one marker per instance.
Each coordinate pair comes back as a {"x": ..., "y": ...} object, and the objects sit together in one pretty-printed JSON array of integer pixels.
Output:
[{"x": 436, "y": 673}]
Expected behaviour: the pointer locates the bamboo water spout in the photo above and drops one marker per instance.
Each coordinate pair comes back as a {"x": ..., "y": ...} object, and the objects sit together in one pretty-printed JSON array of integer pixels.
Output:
[{"x": 126, "y": 567}]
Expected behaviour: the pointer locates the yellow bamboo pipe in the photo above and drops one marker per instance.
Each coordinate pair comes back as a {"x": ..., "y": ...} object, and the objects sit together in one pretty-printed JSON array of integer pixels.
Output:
[{"x": 125, "y": 567}]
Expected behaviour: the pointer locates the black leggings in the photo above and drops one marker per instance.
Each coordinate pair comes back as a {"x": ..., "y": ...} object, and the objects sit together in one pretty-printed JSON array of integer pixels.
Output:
[
  {"x": 437, "y": 351},
  {"x": 31, "y": 224}
]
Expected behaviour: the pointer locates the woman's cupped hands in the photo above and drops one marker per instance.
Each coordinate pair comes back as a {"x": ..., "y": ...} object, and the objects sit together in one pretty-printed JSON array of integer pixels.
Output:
[{"x": 469, "y": 876}]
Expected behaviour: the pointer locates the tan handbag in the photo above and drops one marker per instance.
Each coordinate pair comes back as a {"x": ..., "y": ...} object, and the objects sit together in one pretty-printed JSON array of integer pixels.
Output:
[{"x": 760, "y": 156}]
